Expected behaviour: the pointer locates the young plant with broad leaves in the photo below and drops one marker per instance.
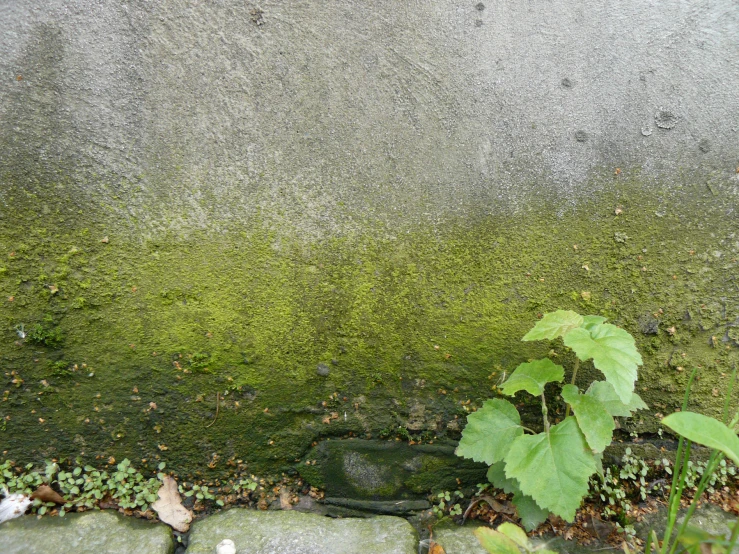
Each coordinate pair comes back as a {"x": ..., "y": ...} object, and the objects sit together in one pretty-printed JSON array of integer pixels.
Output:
[{"x": 549, "y": 471}]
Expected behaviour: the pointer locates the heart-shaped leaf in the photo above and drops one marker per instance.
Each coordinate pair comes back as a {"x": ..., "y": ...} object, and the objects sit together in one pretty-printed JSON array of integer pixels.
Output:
[
  {"x": 532, "y": 377},
  {"x": 595, "y": 422},
  {"x": 495, "y": 542},
  {"x": 706, "y": 431},
  {"x": 553, "y": 325},
  {"x": 613, "y": 352},
  {"x": 553, "y": 468},
  {"x": 604, "y": 392},
  {"x": 490, "y": 432}
]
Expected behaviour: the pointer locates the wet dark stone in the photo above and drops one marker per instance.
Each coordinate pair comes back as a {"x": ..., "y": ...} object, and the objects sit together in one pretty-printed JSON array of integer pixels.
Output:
[
  {"x": 649, "y": 325},
  {"x": 386, "y": 470}
]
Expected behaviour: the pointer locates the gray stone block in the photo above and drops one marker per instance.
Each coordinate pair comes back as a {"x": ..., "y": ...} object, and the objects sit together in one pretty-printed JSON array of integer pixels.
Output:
[
  {"x": 287, "y": 532},
  {"x": 457, "y": 539},
  {"x": 89, "y": 532}
]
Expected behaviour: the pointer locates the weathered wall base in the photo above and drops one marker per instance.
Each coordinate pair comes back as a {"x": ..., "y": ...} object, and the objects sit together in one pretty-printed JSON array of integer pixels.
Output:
[{"x": 248, "y": 344}]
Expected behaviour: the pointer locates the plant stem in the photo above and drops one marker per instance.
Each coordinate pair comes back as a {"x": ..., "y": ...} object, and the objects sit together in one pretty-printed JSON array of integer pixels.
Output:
[
  {"x": 675, "y": 496},
  {"x": 676, "y": 476},
  {"x": 544, "y": 412},
  {"x": 572, "y": 381},
  {"x": 574, "y": 371},
  {"x": 713, "y": 463}
]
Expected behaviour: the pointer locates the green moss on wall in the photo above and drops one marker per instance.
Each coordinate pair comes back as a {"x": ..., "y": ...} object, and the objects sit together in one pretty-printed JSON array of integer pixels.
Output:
[{"x": 115, "y": 344}]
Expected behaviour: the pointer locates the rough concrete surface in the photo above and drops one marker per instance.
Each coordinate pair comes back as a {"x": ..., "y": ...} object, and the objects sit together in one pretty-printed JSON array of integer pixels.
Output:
[
  {"x": 332, "y": 115},
  {"x": 255, "y": 532},
  {"x": 230, "y": 230}
]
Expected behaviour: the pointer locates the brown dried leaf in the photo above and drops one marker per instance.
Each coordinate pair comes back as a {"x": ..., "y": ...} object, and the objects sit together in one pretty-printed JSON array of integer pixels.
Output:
[
  {"x": 46, "y": 494},
  {"x": 436, "y": 548},
  {"x": 169, "y": 507},
  {"x": 285, "y": 503}
]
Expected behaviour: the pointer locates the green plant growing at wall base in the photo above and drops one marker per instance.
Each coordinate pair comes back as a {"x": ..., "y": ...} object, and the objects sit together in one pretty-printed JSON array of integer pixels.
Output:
[
  {"x": 549, "y": 471},
  {"x": 722, "y": 438}
]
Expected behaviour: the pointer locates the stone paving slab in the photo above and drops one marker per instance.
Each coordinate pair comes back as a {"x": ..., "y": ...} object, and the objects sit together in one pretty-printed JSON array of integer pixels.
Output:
[
  {"x": 95, "y": 532},
  {"x": 456, "y": 539},
  {"x": 290, "y": 532},
  {"x": 461, "y": 540}
]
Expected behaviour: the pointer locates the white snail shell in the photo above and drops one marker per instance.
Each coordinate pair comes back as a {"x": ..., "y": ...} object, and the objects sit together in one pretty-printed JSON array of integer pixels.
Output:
[{"x": 226, "y": 546}]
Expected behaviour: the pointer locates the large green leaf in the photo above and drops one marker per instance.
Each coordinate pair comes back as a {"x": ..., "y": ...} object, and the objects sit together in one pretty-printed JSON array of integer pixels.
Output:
[
  {"x": 495, "y": 542},
  {"x": 496, "y": 475},
  {"x": 553, "y": 468},
  {"x": 606, "y": 394},
  {"x": 706, "y": 431},
  {"x": 589, "y": 321},
  {"x": 613, "y": 352},
  {"x": 532, "y": 377},
  {"x": 595, "y": 422},
  {"x": 490, "y": 432},
  {"x": 553, "y": 325},
  {"x": 529, "y": 511}
]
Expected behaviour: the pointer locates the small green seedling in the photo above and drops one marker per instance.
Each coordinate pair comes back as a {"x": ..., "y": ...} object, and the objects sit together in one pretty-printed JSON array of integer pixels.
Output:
[
  {"x": 549, "y": 471},
  {"x": 447, "y": 502}
]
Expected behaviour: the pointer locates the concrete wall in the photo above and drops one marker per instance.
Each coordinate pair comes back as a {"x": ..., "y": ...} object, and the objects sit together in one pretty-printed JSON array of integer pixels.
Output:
[
  {"x": 402, "y": 113},
  {"x": 222, "y": 196}
]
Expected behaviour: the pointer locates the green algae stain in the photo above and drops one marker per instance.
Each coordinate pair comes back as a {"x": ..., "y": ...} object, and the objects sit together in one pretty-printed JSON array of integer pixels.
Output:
[{"x": 157, "y": 336}]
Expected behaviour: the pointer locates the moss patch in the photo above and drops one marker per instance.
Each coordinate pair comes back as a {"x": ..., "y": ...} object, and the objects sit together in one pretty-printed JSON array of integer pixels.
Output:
[{"x": 115, "y": 343}]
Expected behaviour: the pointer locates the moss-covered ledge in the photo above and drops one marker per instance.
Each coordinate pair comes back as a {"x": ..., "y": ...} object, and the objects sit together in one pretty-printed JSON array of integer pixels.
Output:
[{"x": 206, "y": 347}]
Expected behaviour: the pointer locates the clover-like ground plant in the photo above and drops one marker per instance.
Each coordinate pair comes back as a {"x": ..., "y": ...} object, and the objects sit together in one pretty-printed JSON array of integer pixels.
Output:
[{"x": 549, "y": 471}]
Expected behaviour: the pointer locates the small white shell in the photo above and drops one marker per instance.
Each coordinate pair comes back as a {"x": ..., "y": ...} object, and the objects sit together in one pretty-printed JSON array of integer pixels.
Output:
[{"x": 226, "y": 546}]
